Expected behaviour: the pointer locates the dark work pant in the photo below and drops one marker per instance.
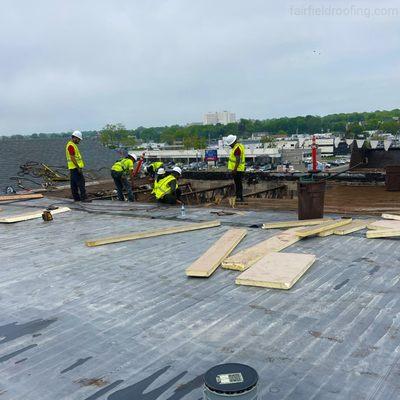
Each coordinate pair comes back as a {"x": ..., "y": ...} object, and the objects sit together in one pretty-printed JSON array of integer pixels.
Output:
[
  {"x": 171, "y": 198},
  {"x": 237, "y": 178},
  {"x": 77, "y": 185},
  {"x": 121, "y": 183}
]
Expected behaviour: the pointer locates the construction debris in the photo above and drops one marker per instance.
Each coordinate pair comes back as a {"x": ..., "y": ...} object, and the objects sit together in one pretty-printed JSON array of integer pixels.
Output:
[
  {"x": 246, "y": 258},
  {"x": 14, "y": 197},
  {"x": 292, "y": 224},
  {"x": 277, "y": 270},
  {"x": 205, "y": 265},
  {"x": 153, "y": 233},
  {"x": 327, "y": 226},
  {"x": 32, "y": 215}
]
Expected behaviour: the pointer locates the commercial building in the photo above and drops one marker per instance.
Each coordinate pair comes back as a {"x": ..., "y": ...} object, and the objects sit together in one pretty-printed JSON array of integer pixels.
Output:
[{"x": 219, "y": 117}]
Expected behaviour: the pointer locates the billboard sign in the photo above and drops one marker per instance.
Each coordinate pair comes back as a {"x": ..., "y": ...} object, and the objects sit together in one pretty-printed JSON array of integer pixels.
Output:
[{"x": 211, "y": 155}]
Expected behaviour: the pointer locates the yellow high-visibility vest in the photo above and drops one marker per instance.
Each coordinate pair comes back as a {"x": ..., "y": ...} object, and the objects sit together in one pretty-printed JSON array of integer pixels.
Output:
[
  {"x": 232, "y": 158},
  {"x": 125, "y": 165},
  {"x": 156, "y": 165},
  {"x": 163, "y": 186},
  {"x": 78, "y": 156}
]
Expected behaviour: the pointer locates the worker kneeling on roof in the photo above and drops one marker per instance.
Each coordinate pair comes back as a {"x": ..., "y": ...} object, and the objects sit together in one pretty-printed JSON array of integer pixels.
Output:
[
  {"x": 153, "y": 168},
  {"x": 236, "y": 164},
  {"x": 75, "y": 165},
  {"x": 120, "y": 172},
  {"x": 166, "y": 189},
  {"x": 160, "y": 175}
]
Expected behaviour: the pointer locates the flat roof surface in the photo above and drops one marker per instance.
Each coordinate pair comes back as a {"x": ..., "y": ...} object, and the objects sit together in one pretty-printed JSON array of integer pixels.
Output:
[{"x": 122, "y": 321}]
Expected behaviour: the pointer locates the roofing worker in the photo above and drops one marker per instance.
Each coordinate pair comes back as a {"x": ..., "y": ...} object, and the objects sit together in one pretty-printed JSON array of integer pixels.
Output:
[
  {"x": 153, "y": 168},
  {"x": 75, "y": 165},
  {"x": 160, "y": 175},
  {"x": 236, "y": 164},
  {"x": 120, "y": 172},
  {"x": 166, "y": 190}
]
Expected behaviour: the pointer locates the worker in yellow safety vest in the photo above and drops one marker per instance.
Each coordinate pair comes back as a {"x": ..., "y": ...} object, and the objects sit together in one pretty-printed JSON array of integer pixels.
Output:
[
  {"x": 75, "y": 165},
  {"x": 121, "y": 171},
  {"x": 152, "y": 169},
  {"x": 160, "y": 175},
  {"x": 166, "y": 189},
  {"x": 236, "y": 164}
]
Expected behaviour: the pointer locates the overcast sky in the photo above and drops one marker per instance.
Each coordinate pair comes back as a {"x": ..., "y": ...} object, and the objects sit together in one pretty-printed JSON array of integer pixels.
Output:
[{"x": 81, "y": 64}]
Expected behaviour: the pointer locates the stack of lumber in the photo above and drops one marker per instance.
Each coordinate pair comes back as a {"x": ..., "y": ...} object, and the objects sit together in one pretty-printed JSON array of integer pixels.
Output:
[
  {"x": 323, "y": 228},
  {"x": 246, "y": 258},
  {"x": 386, "y": 228}
]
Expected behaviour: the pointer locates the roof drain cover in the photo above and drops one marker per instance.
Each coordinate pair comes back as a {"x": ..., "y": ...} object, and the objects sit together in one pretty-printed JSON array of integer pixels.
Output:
[{"x": 231, "y": 381}]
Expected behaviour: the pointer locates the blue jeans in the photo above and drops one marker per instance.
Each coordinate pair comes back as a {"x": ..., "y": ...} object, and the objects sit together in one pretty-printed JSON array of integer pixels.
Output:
[
  {"x": 121, "y": 183},
  {"x": 78, "y": 189}
]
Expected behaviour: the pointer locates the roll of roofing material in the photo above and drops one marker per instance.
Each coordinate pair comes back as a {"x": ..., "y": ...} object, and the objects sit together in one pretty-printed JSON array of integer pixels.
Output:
[{"x": 231, "y": 381}]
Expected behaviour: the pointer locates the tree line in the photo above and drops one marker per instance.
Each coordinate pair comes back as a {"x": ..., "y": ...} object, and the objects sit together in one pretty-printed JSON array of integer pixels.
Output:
[{"x": 349, "y": 125}]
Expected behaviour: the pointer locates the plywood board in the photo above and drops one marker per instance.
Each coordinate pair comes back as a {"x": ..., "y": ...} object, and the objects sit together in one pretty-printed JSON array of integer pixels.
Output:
[
  {"x": 292, "y": 224},
  {"x": 381, "y": 233},
  {"x": 32, "y": 215},
  {"x": 391, "y": 216},
  {"x": 153, "y": 233},
  {"x": 277, "y": 270},
  {"x": 247, "y": 257},
  {"x": 326, "y": 233},
  {"x": 384, "y": 224},
  {"x": 13, "y": 197},
  {"x": 207, "y": 263},
  {"x": 356, "y": 225},
  {"x": 326, "y": 226}
]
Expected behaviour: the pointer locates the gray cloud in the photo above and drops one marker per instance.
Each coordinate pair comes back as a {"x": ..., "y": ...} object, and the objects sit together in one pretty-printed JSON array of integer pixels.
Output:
[{"x": 68, "y": 64}]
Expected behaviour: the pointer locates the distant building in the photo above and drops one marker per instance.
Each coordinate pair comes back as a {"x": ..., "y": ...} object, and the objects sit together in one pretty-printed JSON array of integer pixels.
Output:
[{"x": 219, "y": 117}]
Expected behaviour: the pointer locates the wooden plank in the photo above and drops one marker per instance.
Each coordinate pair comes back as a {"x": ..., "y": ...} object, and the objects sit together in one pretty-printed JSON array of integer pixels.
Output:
[
  {"x": 207, "y": 263},
  {"x": 247, "y": 257},
  {"x": 13, "y": 197},
  {"x": 326, "y": 233},
  {"x": 31, "y": 215},
  {"x": 327, "y": 226},
  {"x": 356, "y": 225},
  {"x": 292, "y": 224},
  {"x": 277, "y": 270},
  {"x": 384, "y": 224},
  {"x": 381, "y": 233},
  {"x": 153, "y": 233},
  {"x": 391, "y": 216}
]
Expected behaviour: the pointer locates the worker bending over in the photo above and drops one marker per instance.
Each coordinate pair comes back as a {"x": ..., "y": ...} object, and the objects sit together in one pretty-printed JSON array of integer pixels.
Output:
[
  {"x": 75, "y": 165},
  {"x": 236, "y": 164},
  {"x": 166, "y": 190},
  {"x": 152, "y": 169},
  {"x": 120, "y": 172},
  {"x": 160, "y": 175}
]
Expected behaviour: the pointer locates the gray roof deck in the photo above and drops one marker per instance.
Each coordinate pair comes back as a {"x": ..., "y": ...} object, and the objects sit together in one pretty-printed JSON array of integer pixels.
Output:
[{"x": 123, "y": 322}]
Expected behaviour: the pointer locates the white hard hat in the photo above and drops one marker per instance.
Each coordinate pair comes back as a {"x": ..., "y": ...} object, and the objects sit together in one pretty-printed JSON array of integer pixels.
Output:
[
  {"x": 133, "y": 155},
  {"x": 230, "y": 139},
  {"x": 77, "y": 134},
  {"x": 161, "y": 171},
  {"x": 178, "y": 170}
]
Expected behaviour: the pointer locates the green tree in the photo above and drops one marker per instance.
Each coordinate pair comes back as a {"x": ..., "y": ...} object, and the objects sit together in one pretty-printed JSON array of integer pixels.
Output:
[{"x": 114, "y": 135}]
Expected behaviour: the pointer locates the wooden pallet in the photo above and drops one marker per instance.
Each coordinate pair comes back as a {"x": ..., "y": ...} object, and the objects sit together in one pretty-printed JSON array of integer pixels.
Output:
[{"x": 208, "y": 262}]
